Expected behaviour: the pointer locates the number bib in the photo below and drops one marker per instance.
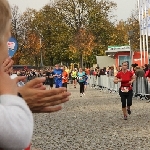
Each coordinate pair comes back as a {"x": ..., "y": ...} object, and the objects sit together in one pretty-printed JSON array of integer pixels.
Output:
[
  {"x": 125, "y": 89},
  {"x": 80, "y": 78}
]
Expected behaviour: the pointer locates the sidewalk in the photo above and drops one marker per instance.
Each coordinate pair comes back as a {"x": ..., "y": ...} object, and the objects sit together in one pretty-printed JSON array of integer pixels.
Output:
[{"x": 93, "y": 122}]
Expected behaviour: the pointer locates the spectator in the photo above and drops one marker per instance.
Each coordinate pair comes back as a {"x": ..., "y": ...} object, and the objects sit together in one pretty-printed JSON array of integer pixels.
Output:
[
  {"x": 139, "y": 72},
  {"x": 145, "y": 68},
  {"x": 16, "y": 126}
]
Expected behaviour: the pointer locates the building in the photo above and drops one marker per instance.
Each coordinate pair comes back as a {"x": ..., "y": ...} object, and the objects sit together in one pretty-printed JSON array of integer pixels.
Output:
[{"x": 123, "y": 53}]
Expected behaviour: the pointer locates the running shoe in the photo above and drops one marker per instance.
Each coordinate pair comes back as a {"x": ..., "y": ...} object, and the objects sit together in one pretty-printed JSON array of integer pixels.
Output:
[
  {"x": 129, "y": 111},
  {"x": 125, "y": 117}
]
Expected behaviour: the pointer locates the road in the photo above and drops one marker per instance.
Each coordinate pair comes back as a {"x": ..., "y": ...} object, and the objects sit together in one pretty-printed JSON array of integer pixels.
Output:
[{"x": 93, "y": 122}]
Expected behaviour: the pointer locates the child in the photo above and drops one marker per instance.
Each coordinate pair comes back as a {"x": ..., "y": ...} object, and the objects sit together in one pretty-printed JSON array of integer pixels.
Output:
[{"x": 17, "y": 126}]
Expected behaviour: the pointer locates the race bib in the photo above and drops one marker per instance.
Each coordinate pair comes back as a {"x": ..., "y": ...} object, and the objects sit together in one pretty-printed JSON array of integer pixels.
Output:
[
  {"x": 80, "y": 78},
  {"x": 125, "y": 89},
  {"x": 59, "y": 76}
]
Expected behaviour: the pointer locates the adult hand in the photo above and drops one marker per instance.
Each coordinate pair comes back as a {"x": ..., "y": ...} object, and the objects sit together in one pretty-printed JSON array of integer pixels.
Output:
[
  {"x": 40, "y": 100},
  {"x": 7, "y": 65},
  {"x": 8, "y": 85},
  {"x": 119, "y": 80},
  {"x": 130, "y": 82}
]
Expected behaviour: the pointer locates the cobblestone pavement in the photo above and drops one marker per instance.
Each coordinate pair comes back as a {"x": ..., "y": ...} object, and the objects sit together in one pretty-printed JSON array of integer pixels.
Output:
[{"x": 93, "y": 122}]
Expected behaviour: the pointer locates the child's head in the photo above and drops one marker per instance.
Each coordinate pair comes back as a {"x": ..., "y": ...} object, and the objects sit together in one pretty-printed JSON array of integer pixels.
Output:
[{"x": 5, "y": 29}]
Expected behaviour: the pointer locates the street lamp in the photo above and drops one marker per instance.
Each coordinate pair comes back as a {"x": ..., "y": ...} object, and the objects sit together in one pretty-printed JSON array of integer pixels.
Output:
[
  {"x": 130, "y": 34},
  {"x": 41, "y": 54},
  {"x": 41, "y": 64}
]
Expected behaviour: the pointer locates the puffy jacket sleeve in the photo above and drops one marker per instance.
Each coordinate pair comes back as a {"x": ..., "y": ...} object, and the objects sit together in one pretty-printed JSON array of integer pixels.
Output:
[{"x": 16, "y": 123}]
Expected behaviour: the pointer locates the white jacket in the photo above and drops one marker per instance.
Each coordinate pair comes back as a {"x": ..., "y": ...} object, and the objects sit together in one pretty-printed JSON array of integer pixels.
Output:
[{"x": 16, "y": 123}]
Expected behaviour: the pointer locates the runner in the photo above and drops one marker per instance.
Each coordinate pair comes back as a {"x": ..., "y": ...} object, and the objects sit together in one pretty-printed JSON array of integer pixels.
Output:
[
  {"x": 74, "y": 77},
  {"x": 64, "y": 78},
  {"x": 50, "y": 77},
  {"x": 58, "y": 76},
  {"x": 126, "y": 78},
  {"x": 81, "y": 80},
  {"x": 85, "y": 82}
]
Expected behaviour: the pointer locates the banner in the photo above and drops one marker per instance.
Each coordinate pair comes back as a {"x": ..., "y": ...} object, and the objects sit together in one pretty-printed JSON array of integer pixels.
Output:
[
  {"x": 119, "y": 48},
  {"x": 12, "y": 46}
]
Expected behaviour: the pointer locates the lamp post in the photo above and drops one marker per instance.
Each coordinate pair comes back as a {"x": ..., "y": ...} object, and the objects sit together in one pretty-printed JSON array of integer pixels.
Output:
[
  {"x": 41, "y": 54},
  {"x": 130, "y": 34},
  {"x": 41, "y": 64}
]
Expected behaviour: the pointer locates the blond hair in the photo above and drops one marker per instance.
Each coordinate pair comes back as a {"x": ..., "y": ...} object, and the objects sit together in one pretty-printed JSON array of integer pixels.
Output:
[{"x": 5, "y": 16}]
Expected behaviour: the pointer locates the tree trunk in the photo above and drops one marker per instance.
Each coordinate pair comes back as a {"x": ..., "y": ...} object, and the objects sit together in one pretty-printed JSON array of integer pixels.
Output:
[
  {"x": 81, "y": 61},
  {"x": 36, "y": 61}
]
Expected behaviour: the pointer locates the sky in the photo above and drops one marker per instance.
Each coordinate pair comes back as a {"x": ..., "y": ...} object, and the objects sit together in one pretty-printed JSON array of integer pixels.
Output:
[{"x": 123, "y": 11}]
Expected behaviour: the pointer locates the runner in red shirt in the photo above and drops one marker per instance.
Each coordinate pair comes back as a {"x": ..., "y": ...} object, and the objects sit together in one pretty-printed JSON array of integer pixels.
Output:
[{"x": 126, "y": 78}]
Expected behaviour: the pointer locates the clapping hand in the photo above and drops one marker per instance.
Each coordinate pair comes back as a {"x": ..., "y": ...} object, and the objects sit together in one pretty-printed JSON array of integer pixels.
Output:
[
  {"x": 7, "y": 85},
  {"x": 7, "y": 65},
  {"x": 40, "y": 100}
]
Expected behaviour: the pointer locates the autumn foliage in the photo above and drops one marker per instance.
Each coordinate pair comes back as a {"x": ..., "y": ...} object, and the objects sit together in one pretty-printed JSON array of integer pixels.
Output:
[{"x": 68, "y": 31}]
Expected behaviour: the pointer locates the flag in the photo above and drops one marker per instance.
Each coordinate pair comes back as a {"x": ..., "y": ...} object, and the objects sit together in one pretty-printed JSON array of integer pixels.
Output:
[
  {"x": 143, "y": 17},
  {"x": 148, "y": 16}
]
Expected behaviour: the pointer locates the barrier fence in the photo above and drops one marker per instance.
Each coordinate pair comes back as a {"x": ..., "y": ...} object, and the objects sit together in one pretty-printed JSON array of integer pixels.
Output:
[{"x": 141, "y": 86}]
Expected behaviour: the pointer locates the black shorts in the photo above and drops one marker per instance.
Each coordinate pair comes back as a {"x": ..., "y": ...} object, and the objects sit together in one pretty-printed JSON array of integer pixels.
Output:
[
  {"x": 126, "y": 98},
  {"x": 74, "y": 78},
  {"x": 64, "y": 85},
  {"x": 51, "y": 83}
]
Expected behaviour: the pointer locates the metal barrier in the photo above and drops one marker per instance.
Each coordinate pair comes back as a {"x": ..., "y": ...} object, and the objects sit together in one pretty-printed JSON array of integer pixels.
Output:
[
  {"x": 103, "y": 83},
  {"x": 141, "y": 86}
]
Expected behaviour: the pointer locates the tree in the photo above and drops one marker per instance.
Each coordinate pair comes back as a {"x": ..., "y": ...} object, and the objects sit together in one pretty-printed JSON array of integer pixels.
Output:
[
  {"x": 56, "y": 35},
  {"x": 16, "y": 31},
  {"x": 71, "y": 30},
  {"x": 133, "y": 25},
  {"x": 83, "y": 44},
  {"x": 120, "y": 33},
  {"x": 21, "y": 24},
  {"x": 89, "y": 14}
]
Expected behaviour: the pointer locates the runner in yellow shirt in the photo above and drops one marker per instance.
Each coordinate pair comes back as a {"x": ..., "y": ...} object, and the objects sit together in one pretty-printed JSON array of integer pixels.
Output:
[{"x": 74, "y": 77}]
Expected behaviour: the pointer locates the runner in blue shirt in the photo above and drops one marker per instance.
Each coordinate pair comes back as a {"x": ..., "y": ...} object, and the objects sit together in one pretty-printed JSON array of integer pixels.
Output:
[{"x": 58, "y": 76}]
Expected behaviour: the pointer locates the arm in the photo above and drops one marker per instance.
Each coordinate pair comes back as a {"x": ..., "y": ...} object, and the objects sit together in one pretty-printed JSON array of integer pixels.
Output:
[
  {"x": 132, "y": 79},
  {"x": 71, "y": 74},
  {"x": 55, "y": 73},
  {"x": 67, "y": 75},
  {"x": 116, "y": 80},
  {"x": 16, "y": 125}
]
